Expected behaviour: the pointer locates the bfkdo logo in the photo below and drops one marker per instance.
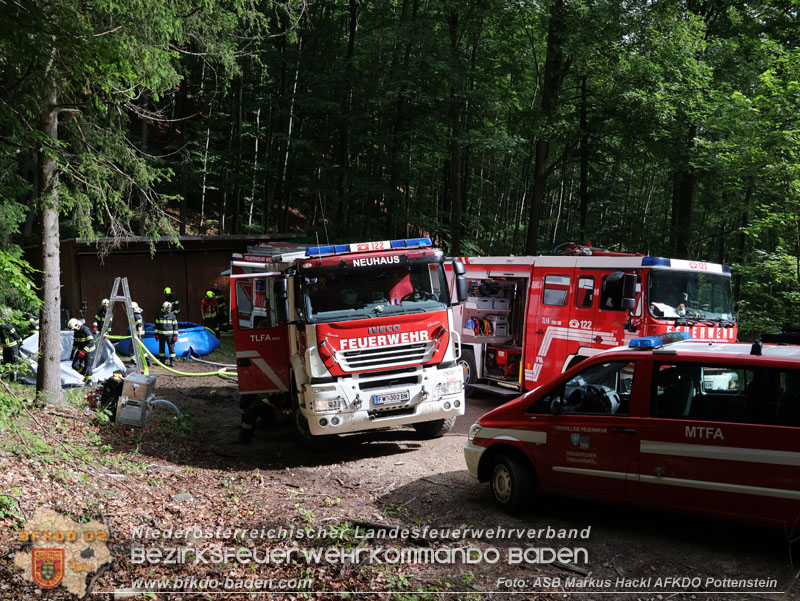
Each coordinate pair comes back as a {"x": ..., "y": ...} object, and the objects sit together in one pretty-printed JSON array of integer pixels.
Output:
[{"x": 48, "y": 567}]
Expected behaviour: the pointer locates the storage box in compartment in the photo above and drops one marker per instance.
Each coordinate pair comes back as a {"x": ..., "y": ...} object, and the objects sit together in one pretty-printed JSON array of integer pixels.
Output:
[
  {"x": 484, "y": 303},
  {"x": 499, "y": 324},
  {"x": 501, "y": 304}
]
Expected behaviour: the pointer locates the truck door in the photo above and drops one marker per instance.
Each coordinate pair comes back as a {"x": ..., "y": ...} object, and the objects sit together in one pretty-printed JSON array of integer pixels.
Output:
[
  {"x": 262, "y": 351},
  {"x": 560, "y": 318}
]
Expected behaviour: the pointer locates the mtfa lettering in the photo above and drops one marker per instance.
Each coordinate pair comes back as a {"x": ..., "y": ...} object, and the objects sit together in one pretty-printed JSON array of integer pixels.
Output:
[{"x": 704, "y": 432}]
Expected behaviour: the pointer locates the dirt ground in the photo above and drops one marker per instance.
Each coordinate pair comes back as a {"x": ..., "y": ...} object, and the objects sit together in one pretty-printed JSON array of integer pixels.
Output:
[{"x": 194, "y": 474}]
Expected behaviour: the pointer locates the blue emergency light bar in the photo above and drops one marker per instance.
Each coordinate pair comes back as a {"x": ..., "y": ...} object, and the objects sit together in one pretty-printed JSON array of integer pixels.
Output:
[
  {"x": 656, "y": 262},
  {"x": 651, "y": 342},
  {"x": 682, "y": 264},
  {"x": 337, "y": 249}
]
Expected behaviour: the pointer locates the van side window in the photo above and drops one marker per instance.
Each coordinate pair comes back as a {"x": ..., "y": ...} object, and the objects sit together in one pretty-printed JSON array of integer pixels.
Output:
[
  {"x": 555, "y": 290},
  {"x": 585, "y": 292},
  {"x": 603, "y": 389},
  {"x": 708, "y": 393},
  {"x": 787, "y": 408}
]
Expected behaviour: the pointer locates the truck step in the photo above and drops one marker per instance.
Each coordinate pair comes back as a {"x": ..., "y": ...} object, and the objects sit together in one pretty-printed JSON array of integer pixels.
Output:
[{"x": 496, "y": 390}]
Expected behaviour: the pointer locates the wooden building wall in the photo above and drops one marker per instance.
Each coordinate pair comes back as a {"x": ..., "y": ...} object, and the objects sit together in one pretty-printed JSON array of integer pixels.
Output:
[{"x": 190, "y": 271}]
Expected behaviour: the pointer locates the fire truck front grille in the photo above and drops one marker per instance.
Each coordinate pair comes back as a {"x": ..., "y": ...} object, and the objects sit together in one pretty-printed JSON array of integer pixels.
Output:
[{"x": 389, "y": 356}]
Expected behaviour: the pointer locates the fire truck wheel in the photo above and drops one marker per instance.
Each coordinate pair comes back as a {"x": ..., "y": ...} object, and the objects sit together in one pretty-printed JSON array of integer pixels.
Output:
[
  {"x": 436, "y": 428},
  {"x": 467, "y": 363},
  {"x": 511, "y": 482}
]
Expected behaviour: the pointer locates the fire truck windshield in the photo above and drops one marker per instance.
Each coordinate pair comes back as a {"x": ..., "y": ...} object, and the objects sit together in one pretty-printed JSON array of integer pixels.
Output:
[
  {"x": 337, "y": 295},
  {"x": 690, "y": 296}
]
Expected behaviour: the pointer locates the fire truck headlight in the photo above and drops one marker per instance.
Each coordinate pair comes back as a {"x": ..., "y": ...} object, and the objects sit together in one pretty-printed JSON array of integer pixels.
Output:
[
  {"x": 474, "y": 429},
  {"x": 323, "y": 405},
  {"x": 446, "y": 388}
]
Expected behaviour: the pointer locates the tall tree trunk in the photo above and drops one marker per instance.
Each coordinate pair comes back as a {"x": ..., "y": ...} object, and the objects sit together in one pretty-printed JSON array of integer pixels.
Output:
[
  {"x": 684, "y": 179},
  {"x": 343, "y": 216},
  {"x": 554, "y": 71},
  {"x": 48, "y": 375},
  {"x": 454, "y": 175},
  {"x": 584, "y": 159}
]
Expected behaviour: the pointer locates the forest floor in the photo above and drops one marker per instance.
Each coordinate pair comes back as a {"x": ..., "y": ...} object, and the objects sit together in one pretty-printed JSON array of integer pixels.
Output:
[{"x": 190, "y": 474}]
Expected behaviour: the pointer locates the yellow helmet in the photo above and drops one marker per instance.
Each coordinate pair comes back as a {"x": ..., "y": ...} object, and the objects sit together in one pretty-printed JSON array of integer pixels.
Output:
[
  {"x": 210, "y": 294},
  {"x": 167, "y": 290}
]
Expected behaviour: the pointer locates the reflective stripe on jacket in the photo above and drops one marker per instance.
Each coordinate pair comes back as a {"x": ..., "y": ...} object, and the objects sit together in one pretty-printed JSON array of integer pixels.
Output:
[
  {"x": 209, "y": 307},
  {"x": 166, "y": 325},
  {"x": 8, "y": 336},
  {"x": 82, "y": 340}
]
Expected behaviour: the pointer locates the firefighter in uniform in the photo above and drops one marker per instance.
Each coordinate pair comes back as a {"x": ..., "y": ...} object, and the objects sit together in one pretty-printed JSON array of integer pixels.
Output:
[
  {"x": 255, "y": 409},
  {"x": 222, "y": 308},
  {"x": 208, "y": 306},
  {"x": 9, "y": 339},
  {"x": 33, "y": 322},
  {"x": 172, "y": 300},
  {"x": 83, "y": 348},
  {"x": 138, "y": 324},
  {"x": 138, "y": 320},
  {"x": 167, "y": 333},
  {"x": 100, "y": 317}
]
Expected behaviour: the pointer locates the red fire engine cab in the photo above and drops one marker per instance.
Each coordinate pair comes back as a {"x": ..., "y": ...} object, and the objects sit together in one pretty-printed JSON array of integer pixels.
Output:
[
  {"x": 527, "y": 319},
  {"x": 356, "y": 336}
]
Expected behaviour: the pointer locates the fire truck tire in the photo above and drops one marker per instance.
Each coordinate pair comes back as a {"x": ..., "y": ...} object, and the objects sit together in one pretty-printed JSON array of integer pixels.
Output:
[
  {"x": 301, "y": 423},
  {"x": 467, "y": 363},
  {"x": 512, "y": 482},
  {"x": 436, "y": 428}
]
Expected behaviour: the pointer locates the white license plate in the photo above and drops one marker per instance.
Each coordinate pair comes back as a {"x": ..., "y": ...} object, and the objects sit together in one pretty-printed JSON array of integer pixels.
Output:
[{"x": 392, "y": 397}]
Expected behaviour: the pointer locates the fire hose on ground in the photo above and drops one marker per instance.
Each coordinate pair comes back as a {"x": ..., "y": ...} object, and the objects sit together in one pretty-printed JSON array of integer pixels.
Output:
[{"x": 221, "y": 372}]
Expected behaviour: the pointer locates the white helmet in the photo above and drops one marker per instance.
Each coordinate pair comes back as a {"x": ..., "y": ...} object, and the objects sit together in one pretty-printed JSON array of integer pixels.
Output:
[
  {"x": 167, "y": 306},
  {"x": 135, "y": 306},
  {"x": 73, "y": 324},
  {"x": 105, "y": 302}
]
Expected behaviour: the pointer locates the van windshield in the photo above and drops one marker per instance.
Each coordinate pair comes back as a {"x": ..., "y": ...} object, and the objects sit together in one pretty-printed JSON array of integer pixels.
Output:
[
  {"x": 338, "y": 295},
  {"x": 690, "y": 296}
]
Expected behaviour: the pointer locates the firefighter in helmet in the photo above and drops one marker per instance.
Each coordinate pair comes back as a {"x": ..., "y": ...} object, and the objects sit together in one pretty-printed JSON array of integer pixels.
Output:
[
  {"x": 9, "y": 338},
  {"x": 222, "y": 308},
  {"x": 167, "y": 333},
  {"x": 172, "y": 300},
  {"x": 138, "y": 320},
  {"x": 100, "y": 316},
  {"x": 83, "y": 348},
  {"x": 209, "y": 308}
]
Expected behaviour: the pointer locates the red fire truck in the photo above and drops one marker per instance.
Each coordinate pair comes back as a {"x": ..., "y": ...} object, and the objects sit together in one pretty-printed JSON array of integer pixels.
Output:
[
  {"x": 355, "y": 336},
  {"x": 526, "y": 319}
]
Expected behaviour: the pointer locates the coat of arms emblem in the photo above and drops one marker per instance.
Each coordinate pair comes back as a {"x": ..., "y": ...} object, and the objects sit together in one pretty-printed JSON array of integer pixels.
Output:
[{"x": 48, "y": 567}]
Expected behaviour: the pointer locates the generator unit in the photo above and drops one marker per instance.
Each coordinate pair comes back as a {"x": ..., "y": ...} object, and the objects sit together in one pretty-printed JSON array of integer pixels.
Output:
[{"x": 135, "y": 402}]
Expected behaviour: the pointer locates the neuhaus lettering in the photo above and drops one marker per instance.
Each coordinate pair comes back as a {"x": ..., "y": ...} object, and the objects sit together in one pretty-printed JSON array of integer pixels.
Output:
[
  {"x": 389, "y": 339},
  {"x": 368, "y": 261}
]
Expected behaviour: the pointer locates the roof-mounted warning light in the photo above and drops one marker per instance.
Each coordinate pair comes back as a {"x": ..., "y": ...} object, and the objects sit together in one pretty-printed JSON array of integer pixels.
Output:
[
  {"x": 652, "y": 342},
  {"x": 336, "y": 249},
  {"x": 656, "y": 262}
]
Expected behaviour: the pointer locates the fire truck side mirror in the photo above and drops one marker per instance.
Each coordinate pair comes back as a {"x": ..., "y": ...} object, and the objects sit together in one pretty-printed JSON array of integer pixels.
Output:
[
  {"x": 461, "y": 281},
  {"x": 629, "y": 291},
  {"x": 282, "y": 298}
]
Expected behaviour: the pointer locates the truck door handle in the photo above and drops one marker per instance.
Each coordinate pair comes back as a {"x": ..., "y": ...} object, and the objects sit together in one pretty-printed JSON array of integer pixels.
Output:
[
  {"x": 623, "y": 430},
  {"x": 538, "y": 332}
]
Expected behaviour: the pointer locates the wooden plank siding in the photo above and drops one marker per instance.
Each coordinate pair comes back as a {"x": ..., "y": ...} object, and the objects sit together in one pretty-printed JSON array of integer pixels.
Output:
[{"x": 189, "y": 271}]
